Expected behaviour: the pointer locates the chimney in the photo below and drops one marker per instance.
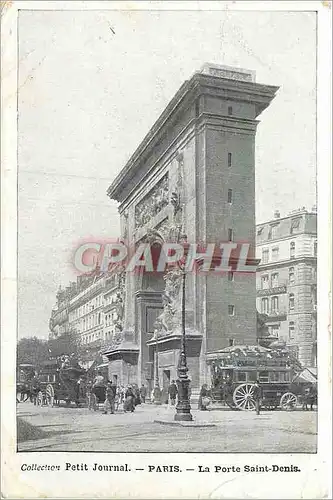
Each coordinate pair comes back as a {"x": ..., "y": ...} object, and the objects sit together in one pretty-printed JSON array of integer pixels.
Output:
[{"x": 276, "y": 214}]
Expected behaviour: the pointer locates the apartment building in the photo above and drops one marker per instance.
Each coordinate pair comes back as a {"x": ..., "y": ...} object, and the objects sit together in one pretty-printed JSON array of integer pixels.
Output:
[
  {"x": 89, "y": 307},
  {"x": 287, "y": 281}
]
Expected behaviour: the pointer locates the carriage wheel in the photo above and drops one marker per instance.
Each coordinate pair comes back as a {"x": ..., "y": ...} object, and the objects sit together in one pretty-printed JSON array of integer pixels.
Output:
[
  {"x": 288, "y": 401},
  {"x": 39, "y": 398},
  {"x": 49, "y": 395},
  {"x": 243, "y": 397}
]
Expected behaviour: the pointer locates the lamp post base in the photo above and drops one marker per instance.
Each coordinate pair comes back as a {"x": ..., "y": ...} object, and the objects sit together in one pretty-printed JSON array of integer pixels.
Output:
[
  {"x": 157, "y": 396},
  {"x": 183, "y": 408}
]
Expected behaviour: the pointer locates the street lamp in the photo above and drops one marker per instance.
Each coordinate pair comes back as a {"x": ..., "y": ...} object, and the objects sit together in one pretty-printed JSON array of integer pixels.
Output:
[
  {"x": 183, "y": 408},
  {"x": 157, "y": 390}
]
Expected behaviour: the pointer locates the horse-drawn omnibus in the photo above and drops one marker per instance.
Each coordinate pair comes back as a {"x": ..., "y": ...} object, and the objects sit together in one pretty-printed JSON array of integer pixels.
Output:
[
  {"x": 235, "y": 369},
  {"x": 61, "y": 382}
]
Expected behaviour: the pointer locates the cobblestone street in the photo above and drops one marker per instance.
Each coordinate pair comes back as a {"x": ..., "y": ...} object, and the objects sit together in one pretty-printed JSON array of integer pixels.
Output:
[{"x": 78, "y": 429}]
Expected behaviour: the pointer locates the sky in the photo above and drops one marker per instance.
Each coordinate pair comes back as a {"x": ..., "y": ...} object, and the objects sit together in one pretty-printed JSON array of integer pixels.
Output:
[{"x": 91, "y": 85}]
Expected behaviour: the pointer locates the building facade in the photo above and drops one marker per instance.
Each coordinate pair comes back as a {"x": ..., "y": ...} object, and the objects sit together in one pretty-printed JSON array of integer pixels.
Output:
[
  {"x": 192, "y": 178},
  {"x": 287, "y": 281},
  {"x": 88, "y": 308}
]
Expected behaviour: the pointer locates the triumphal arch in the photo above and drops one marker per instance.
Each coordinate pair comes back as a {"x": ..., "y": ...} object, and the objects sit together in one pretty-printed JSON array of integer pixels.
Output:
[{"x": 193, "y": 178}]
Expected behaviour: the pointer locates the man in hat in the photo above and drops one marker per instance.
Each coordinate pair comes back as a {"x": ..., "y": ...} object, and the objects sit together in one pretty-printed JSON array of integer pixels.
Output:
[
  {"x": 173, "y": 391},
  {"x": 257, "y": 396},
  {"x": 109, "y": 402}
]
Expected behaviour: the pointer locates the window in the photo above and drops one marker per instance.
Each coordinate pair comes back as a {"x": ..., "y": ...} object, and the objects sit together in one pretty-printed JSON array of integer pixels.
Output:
[
  {"x": 275, "y": 304},
  {"x": 285, "y": 376},
  {"x": 291, "y": 275},
  {"x": 229, "y": 195},
  {"x": 229, "y": 110},
  {"x": 264, "y": 305},
  {"x": 99, "y": 318},
  {"x": 275, "y": 330},
  {"x": 263, "y": 376},
  {"x": 231, "y": 310},
  {"x": 252, "y": 376},
  {"x": 291, "y": 302},
  {"x": 272, "y": 231},
  {"x": 275, "y": 280},
  {"x": 264, "y": 281},
  {"x": 274, "y": 377},
  {"x": 275, "y": 253},
  {"x": 230, "y": 234},
  {"x": 260, "y": 230},
  {"x": 241, "y": 376},
  {"x": 292, "y": 250},
  {"x": 291, "y": 330},
  {"x": 294, "y": 225},
  {"x": 231, "y": 342},
  {"x": 230, "y": 276},
  {"x": 229, "y": 159},
  {"x": 265, "y": 256},
  {"x": 315, "y": 248}
]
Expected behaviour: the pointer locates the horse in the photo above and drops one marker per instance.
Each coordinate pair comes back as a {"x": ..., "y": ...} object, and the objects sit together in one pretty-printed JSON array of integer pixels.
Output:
[
  {"x": 24, "y": 391},
  {"x": 309, "y": 398}
]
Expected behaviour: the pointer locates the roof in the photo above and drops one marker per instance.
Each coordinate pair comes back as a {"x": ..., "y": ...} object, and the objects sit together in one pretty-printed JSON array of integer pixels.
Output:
[
  {"x": 198, "y": 84},
  {"x": 243, "y": 349}
]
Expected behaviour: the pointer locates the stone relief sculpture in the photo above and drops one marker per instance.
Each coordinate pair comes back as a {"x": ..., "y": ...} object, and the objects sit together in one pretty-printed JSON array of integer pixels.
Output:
[
  {"x": 152, "y": 203},
  {"x": 168, "y": 321},
  {"x": 172, "y": 230}
]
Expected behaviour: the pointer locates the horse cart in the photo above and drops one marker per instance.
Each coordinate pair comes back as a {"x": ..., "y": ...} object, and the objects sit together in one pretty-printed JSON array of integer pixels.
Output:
[
  {"x": 235, "y": 370},
  {"x": 24, "y": 377},
  {"x": 62, "y": 383}
]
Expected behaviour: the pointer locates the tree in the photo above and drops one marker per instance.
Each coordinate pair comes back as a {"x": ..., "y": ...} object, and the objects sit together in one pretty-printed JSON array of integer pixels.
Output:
[
  {"x": 68, "y": 343},
  {"x": 32, "y": 350}
]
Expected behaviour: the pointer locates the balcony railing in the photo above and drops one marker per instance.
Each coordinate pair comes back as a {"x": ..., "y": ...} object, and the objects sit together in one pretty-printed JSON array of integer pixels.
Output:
[
  {"x": 275, "y": 290},
  {"x": 280, "y": 314}
]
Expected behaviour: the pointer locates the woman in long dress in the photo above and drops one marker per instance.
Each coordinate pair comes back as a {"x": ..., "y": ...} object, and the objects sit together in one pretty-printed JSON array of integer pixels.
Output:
[
  {"x": 129, "y": 404},
  {"x": 204, "y": 397}
]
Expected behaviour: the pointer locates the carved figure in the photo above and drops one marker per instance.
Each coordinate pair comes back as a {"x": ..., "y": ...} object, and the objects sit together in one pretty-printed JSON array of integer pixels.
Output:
[{"x": 152, "y": 203}]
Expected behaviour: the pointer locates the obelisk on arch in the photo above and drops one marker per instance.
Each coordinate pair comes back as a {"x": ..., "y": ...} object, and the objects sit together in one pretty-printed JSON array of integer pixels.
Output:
[{"x": 193, "y": 175}]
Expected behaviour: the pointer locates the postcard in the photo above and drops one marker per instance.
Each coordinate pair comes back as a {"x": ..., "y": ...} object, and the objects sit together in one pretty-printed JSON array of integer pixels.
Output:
[{"x": 166, "y": 271}]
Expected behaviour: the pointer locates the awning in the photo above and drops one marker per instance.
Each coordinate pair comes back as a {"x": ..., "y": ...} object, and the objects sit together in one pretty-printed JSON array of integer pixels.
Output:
[
  {"x": 306, "y": 376},
  {"x": 103, "y": 365},
  {"x": 86, "y": 364}
]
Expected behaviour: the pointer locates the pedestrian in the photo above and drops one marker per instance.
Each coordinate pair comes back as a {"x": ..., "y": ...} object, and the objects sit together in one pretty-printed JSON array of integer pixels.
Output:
[
  {"x": 172, "y": 391},
  {"x": 80, "y": 388},
  {"x": 99, "y": 380},
  {"x": 129, "y": 403},
  {"x": 204, "y": 398},
  {"x": 143, "y": 393},
  {"x": 35, "y": 388},
  {"x": 119, "y": 396},
  {"x": 89, "y": 387},
  {"x": 109, "y": 402},
  {"x": 257, "y": 396},
  {"x": 137, "y": 396}
]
